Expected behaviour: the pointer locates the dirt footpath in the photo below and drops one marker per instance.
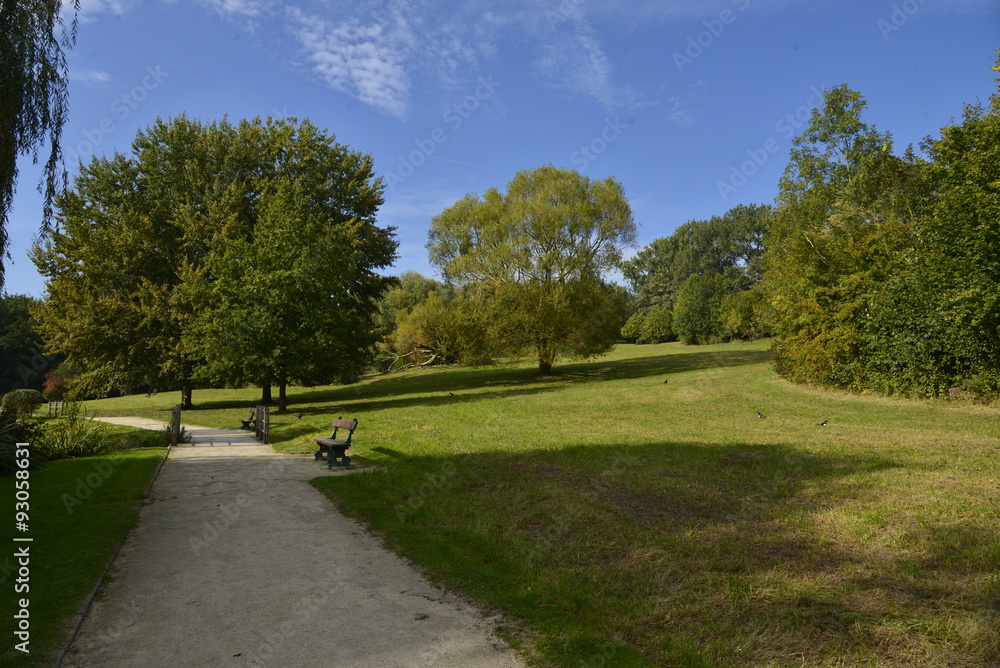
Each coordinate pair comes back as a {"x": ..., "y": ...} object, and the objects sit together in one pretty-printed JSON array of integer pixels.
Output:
[{"x": 240, "y": 562}]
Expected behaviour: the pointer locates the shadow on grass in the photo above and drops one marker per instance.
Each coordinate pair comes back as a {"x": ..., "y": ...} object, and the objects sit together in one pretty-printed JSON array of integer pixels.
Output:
[
  {"x": 698, "y": 554},
  {"x": 467, "y": 384}
]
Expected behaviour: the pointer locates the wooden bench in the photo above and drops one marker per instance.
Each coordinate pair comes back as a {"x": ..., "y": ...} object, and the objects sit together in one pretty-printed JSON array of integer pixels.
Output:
[
  {"x": 246, "y": 422},
  {"x": 333, "y": 450}
]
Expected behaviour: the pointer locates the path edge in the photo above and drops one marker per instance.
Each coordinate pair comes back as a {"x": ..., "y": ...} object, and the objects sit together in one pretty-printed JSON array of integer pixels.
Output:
[{"x": 81, "y": 614}]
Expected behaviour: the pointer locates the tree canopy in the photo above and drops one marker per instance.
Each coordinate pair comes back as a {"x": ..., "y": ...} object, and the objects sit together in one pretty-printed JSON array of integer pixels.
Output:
[
  {"x": 530, "y": 264},
  {"x": 231, "y": 231},
  {"x": 882, "y": 269},
  {"x": 729, "y": 249}
]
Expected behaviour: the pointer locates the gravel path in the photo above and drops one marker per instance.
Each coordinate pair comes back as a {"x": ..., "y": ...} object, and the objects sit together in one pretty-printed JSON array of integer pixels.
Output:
[{"x": 240, "y": 562}]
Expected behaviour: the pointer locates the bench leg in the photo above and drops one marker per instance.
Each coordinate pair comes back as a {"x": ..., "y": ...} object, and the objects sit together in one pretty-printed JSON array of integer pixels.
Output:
[{"x": 341, "y": 454}]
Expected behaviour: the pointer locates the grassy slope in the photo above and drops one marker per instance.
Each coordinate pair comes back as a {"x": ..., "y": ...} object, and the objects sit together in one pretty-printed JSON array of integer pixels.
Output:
[
  {"x": 618, "y": 520},
  {"x": 80, "y": 511}
]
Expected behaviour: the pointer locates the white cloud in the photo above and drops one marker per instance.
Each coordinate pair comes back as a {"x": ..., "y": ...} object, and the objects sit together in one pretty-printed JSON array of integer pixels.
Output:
[
  {"x": 365, "y": 60},
  {"x": 91, "y": 77}
]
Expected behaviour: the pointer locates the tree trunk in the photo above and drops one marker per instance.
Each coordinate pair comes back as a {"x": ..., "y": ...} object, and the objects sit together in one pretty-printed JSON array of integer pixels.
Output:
[
  {"x": 544, "y": 368},
  {"x": 186, "y": 391},
  {"x": 282, "y": 398},
  {"x": 265, "y": 393}
]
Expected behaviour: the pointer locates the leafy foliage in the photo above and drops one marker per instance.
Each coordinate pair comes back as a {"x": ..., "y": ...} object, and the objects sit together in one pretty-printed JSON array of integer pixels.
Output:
[
  {"x": 22, "y": 403},
  {"x": 882, "y": 270},
  {"x": 20, "y": 346},
  {"x": 728, "y": 246},
  {"x": 33, "y": 101},
  {"x": 216, "y": 252},
  {"x": 529, "y": 265},
  {"x": 74, "y": 435}
]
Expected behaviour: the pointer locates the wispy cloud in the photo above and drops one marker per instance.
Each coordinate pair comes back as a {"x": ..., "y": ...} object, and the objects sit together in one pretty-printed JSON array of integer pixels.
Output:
[
  {"x": 245, "y": 9},
  {"x": 91, "y": 77},
  {"x": 574, "y": 60}
]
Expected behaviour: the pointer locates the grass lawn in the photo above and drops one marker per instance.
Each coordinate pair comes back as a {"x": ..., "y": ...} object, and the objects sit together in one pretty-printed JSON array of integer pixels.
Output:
[
  {"x": 80, "y": 511},
  {"x": 618, "y": 520}
]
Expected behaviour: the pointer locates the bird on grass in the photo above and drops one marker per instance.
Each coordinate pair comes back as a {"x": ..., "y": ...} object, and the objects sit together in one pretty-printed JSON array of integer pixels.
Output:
[
  {"x": 824, "y": 423},
  {"x": 299, "y": 416},
  {"x": 760, "y": 415},
  {"x": 664, "y": 382}
]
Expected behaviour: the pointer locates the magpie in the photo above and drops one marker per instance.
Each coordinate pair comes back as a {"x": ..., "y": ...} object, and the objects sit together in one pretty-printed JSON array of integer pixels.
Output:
[
  {"x": 760, "y": 416},
  {"x": 823, "y": 423}
]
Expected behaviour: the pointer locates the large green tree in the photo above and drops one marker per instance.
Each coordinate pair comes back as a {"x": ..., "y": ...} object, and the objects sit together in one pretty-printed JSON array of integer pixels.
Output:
[
  {"x": 531, "y": 263},
  {"x": 143, "y": 238},
  {"x": 845, "y": 219},
  {"x": 33, "y": 98},
  {"x": 297, "y": 300},
  {"x": 937, "y": 321}
]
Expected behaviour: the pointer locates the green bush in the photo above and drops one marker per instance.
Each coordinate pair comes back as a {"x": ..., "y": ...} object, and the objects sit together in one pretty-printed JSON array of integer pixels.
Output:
[{"x": 22, "y": 403}]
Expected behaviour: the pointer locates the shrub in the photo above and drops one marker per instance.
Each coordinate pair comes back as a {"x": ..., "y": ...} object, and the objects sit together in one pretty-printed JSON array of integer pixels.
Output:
[
  {"x": 21, "y": 403},
  {"x": 75, "y": 435}
]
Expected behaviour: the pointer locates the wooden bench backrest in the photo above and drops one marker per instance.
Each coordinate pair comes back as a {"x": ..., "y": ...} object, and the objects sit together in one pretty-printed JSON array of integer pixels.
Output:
[{"x": 350, "y": 425}]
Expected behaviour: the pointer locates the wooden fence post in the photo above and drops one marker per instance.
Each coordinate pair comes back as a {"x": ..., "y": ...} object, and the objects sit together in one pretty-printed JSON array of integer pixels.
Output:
[
  {"x": 175, "y": 425},
  {"x": 262, "y": 427}
]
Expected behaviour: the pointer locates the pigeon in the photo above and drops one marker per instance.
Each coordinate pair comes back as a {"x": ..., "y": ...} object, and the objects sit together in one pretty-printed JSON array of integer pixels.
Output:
[
  {"x": 823, "y": 423},
  {"x": 760, "y": 415}
]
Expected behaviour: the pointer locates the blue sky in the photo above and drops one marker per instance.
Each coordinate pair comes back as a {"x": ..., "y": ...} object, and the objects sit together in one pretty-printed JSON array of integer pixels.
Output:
[{"x": 692, "y": 105}]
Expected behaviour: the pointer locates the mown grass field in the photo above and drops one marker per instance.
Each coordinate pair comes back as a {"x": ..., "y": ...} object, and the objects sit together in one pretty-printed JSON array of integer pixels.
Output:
[
  {"x": 80, "y": 510},
  {"x": 620, "y": 520}
]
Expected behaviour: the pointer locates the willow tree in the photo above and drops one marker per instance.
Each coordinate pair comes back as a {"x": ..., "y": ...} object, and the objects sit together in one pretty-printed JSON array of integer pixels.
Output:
[
  {"x": 33, "y": 99},
  {"x": 530, "y": 264}
]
